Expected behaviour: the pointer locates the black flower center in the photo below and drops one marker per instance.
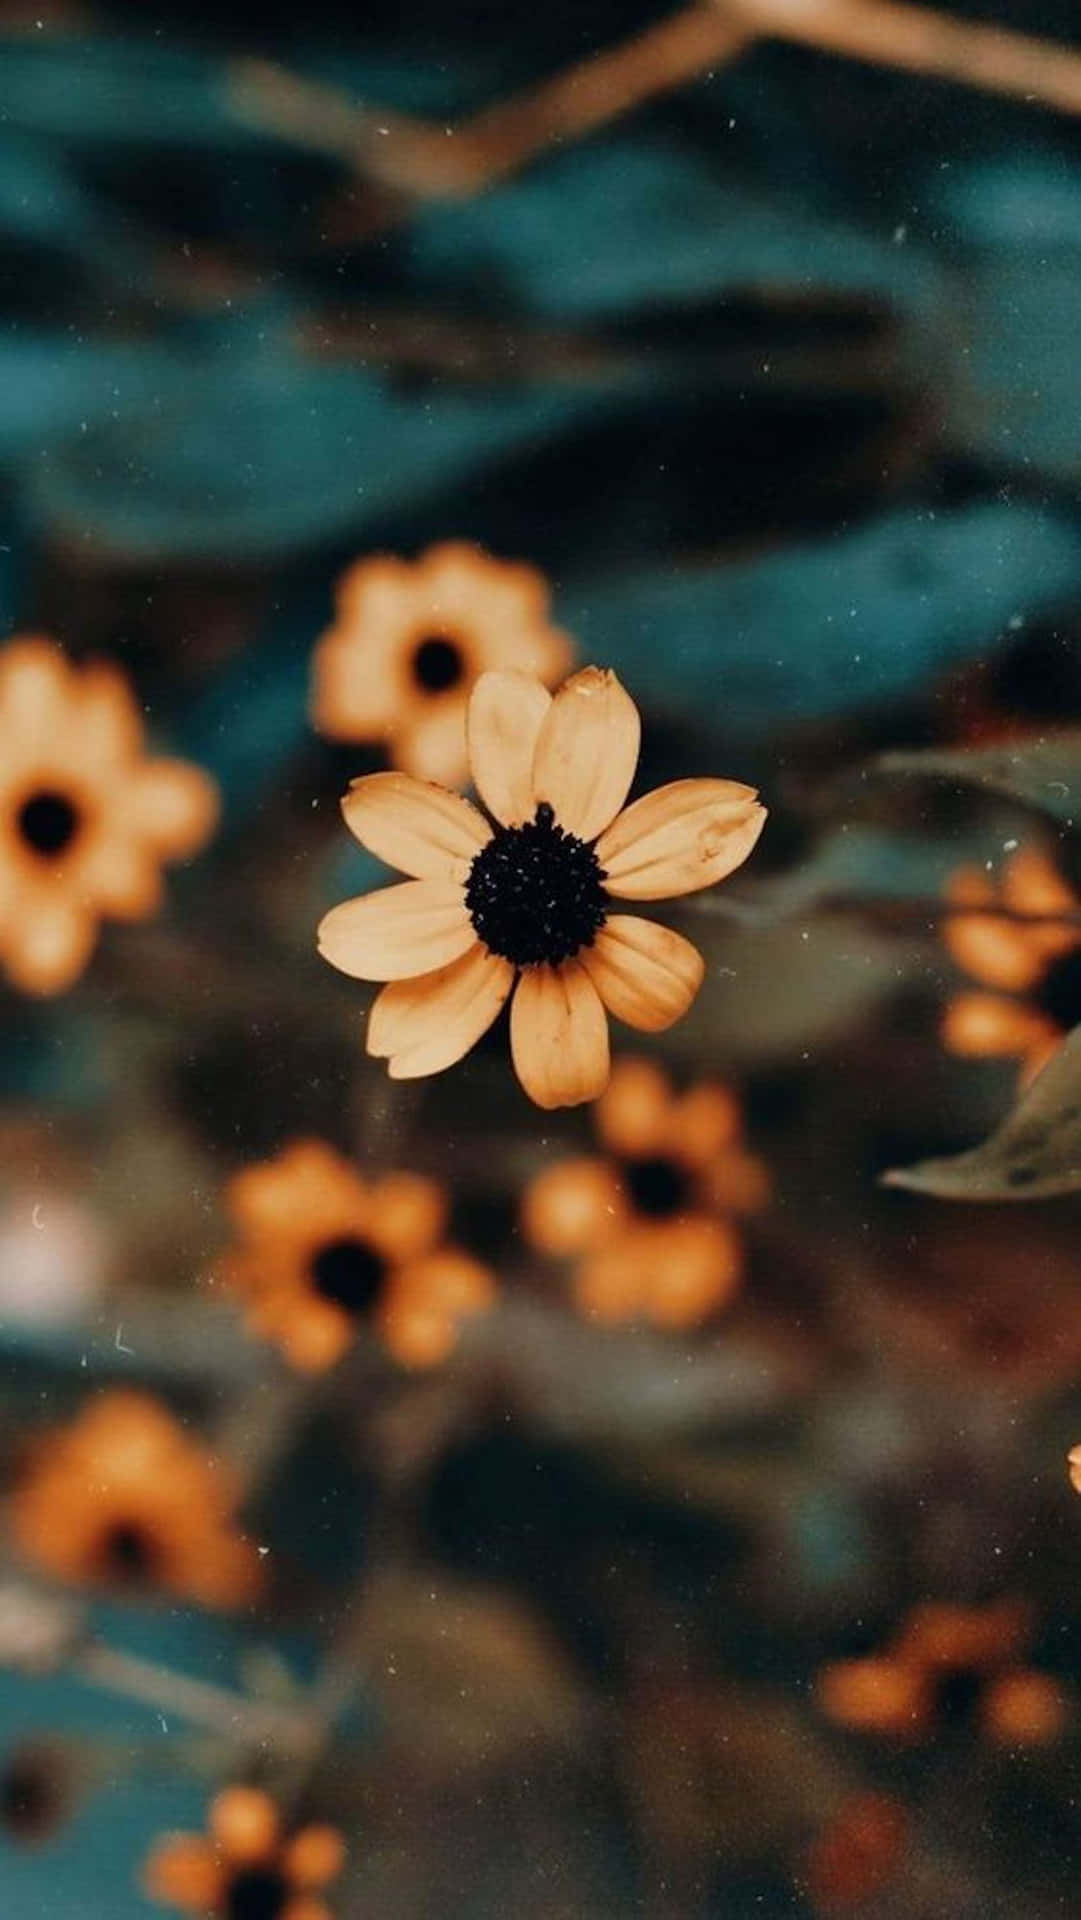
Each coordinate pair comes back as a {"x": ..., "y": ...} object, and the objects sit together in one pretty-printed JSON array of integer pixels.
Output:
[
  {"x": 437, "y": 663},
  {"x": 256, "y": 1893},
  {"x": 657, "y": 1186},
  {"x": 29, "y": 1797},
  {"x": 350, "y": 1273},
  {"x": 1059, "y": 992},
  {"x": 534, "y": 893},
  {"x": 958, "y": 1695},
  {"x": 128, "y": 1553},
  {"x": 48, "y": 823}
]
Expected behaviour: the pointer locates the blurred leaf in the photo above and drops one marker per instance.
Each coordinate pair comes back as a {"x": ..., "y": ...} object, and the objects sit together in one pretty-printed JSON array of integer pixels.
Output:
[
  {"x": 831, "y": 625},
  {"x": 465, "y": 1676},
  {"x": 1036, "y": 1151},
  {"x": 1044, "y": 773}
]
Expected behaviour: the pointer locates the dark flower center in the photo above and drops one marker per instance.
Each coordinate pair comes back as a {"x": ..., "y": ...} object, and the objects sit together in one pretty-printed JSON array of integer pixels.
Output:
[
  {"x": 48, "y": 823},
  {"x": 534, "y": 893},
  {"x": 350, "y": 1273},
  {"x": 957, "y": 1696},
  {"x": 256, "y": 1893},
  {"x": 1059, "y": 992},
  {"x": 437, "y": 663},
  {"x": 657, "y": 1186},
  {"x": 128, "y": 1553},
  {"x": 29, "y": 1797}
]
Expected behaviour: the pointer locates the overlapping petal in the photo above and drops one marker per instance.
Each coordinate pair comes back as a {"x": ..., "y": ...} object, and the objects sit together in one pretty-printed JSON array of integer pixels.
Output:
[
  {"x": 559, "y": 1036},
  {"x": 645, "y": 974},
  {"x": 586, "y": 753},
  {"x": 680, "y": 838},
  {"x": 506, "y": 712},
  {"x": 415, "y": 826},
  {"x": 423, "y": 1025}
]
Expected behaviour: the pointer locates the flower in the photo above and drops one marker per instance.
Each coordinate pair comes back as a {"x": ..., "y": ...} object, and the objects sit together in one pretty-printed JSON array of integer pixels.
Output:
[
  {"x": 522, "y": 906},
  {"x": 86, "y": 819},
  {"x": 1029, "y": 974},
  {"x": 411, "y": 639},
  {"x": 949, "y": 1664},
  {"x": 320, "y": 1250},
  {"x": 651, "y": 1228},
  {"x": 123, "y": 1496},
  {"x": 858, "y": 1852},
  {"x": 246, "y": 1869}
]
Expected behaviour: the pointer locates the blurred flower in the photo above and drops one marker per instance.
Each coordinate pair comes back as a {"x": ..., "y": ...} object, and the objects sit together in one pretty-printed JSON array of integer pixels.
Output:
[
  {"x": 410, "y": 640},
  {"x": 1029, "y": 974},
  {"x": 124, "y": 1497},
  {"x": 53, "y": 1256},
  {"x": 86, "y": 819},
  {"x": 651, "y": 1226},
  {"x": 1073, "y": 1459},
  {"x": 858, "y": 1852},
  {"x": 37, "y": 1790},
  {"x": 523, "y": 907},
  {"x": 246, "y": 1869},
  {"x": 321, "y": 1250},
  {"x": 949, "y": 1664}
]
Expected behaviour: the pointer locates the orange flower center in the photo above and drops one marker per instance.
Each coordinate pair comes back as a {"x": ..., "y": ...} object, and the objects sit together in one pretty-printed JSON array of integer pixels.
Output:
[
  {"x": 437, "y": 663},
  {"x": 256, "y": 1893},
  {"x": 350, "y": 1273},
  {"x": 657, "y": 1186},
  {"x": 48, "y": 823},
  {"x": 128, "y": 1553},
  {"x": 535, "y": 893},
  {"x": 1059, "y": 992}
]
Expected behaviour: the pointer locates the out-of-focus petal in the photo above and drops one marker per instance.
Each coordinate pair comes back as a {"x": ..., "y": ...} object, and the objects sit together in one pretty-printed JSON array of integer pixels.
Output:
[
  {"x": 587, "y": 750},
  {"x": 423, "y": 1025},
  {"x": 182, "y": 1871},
  {"x": 705, "y": 1121},
  {"x": 428, "y": 739},
  {"x": 633, "y": 1112},
  {"x": 314, "y": 1857},
  {"x": 987, "y": 1025},
  {"x": 420, "y": 1319},
  {"x": 506, "y": 712},
  {"x": 573, "y": 1206},
  {"x": 244, "y": 1823},
  {"x": 559, "y": 1036},
  {"x": 409, "y": 1212},
  {"x": 107, "y": 728},
  {"x": 120, "y": 878},
  {"x": 415, "y": 826},
  {"x": 398, "y": 933},
  {"x": 49, "y": 945},
  {"x": 645, "y": 974},
  {"x": 680, "y": 838},
  {"x": 171, "y": 805}
]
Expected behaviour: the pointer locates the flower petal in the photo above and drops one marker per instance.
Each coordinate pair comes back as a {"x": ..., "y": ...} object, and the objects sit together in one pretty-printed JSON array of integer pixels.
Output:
[
  {"x": 633, "y": 1115},
  {"x": 506, "y": 711},
  {"x": 183, "y": 1871},
  {"x": 995, "y": 950},
  {"x": 587, "y": 750},
  {"x": 645, "y": 974},
  {"x": 573, "y": 1206},
  {"x": 423, "y": 1025},
  {"x": 680, "y": 838},
  {"x": 171, "y": 804},
  {"x": 988, "y": 1025},
  {"x": 398, "y": 932},
  {"x": 315, "y": 1856},
  {"x": 50, "y": 945},
  {"x": 559, "y": 1036},
  {"x": 244, "y": 1823},
  {"x": 428, "y": 739},
  {"x": 414, "y": 825}
]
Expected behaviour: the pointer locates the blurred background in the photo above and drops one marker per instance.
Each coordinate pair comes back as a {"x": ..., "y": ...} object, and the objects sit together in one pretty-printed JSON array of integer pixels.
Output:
[{"x": 752, "y": 332}]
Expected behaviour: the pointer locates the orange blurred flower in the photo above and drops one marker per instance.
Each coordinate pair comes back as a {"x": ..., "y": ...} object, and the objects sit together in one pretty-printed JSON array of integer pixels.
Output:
[
  {"x": 1029, "y": 975},
  {"x": 123, "y": 1496},
  {"x": 949, "y": 1663},
  {"x": 410, "y": 640},
  {"x": 523, "y": 907},
  {"x": 651, "y": 1227},
  {"x": 858, "y": 1852},
  {"x": 86, "y": 819},
  {"x": 320, "y": 1250},
  {"x": 246, "y": 1868}
]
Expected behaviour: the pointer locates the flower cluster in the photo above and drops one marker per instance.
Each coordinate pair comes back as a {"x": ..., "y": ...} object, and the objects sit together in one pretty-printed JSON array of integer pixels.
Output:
[
  {"x": 246, "y": 1868},
  {"x": 1026, "y": 961}
]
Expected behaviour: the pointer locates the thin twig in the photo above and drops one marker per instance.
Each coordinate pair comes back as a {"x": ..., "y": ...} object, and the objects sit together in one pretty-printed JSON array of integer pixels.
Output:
[{"x": 922, "y": 40}]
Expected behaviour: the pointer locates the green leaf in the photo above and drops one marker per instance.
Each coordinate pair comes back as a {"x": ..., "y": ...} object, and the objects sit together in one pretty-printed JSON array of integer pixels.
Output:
[
  {"x": 1044, "y": 773},
  {"x": 1034, "y": 1153}
]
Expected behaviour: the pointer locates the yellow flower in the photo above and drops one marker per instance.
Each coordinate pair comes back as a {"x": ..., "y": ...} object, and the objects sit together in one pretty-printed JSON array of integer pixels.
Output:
[
  {"x": 319, "y": 1250},
  {"x": 86, "y": 819},
  {"x": 523, "y": 906},
  {"x": 246, "y": 1869},
  {"x": 410, "y": 640}
]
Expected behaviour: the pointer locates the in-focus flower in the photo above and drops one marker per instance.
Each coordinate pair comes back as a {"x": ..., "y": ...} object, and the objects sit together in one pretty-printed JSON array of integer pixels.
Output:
[
  {"x": 950, "y": 1665},
  {"x": 86, "y": 819},
  {"x": 410, "y": 640},
  {"x": 651, "y": 1228},
  {"x": 246, "y": 1868},
  {"x": 1029, "y": 974},
  {"x": 123, "y": 1497},
  {"x": 524, "y": 906},
  {"x": 321, "y": 1251}
]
